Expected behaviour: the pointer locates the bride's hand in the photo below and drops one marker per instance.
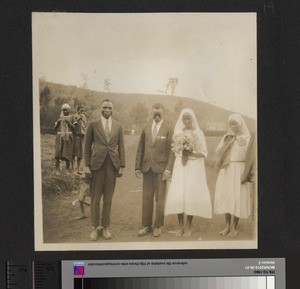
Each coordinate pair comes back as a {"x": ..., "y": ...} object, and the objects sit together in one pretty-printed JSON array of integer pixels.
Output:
[{"x": 197, "y": 155}]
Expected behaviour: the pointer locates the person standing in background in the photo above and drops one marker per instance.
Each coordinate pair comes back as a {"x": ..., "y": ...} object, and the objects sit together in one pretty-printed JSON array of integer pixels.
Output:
[
  {"x": 64, "y": 138},
  {"x": 80, "y": 123}
]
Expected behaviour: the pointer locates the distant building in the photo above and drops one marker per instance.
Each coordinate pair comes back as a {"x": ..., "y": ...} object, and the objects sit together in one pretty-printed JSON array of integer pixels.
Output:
[{"x": 216, "y": 126}]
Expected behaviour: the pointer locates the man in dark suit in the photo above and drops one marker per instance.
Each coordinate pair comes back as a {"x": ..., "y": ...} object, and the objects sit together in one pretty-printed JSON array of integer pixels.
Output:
[
  {"x": 104, "y": 155},
  {"x": 154, "y": 159}
]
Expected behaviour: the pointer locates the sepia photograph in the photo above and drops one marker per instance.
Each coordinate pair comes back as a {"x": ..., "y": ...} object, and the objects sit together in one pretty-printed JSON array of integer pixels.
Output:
[{"x": 145, "y": 131}]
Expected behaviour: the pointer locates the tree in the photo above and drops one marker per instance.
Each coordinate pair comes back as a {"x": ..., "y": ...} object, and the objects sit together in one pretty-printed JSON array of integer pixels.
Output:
[
  {"x": 107, "y": 85},
  {"x": 45, "y": 97},
  {"x": 121, "y": 115},
  {"x": 172, "y": 83},
  {"x": 139, "y": 115}
]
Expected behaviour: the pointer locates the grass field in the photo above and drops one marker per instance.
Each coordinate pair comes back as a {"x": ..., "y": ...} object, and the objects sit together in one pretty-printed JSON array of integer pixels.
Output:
[{"x": 59, "y": 190}]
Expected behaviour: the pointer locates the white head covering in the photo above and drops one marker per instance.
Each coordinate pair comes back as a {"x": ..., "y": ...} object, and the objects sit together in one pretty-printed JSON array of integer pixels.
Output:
[
  {"x": 179, "y": 128},
  {"x": 180, "y": 125},
  {"x": 239, "y": 119},
  {"x": 66, "y": 106},
  {"x": 244, "y": 129}
]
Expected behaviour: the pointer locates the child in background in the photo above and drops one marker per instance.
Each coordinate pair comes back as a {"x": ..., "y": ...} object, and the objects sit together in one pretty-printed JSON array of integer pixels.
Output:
[{"x": 84, "y": 192}]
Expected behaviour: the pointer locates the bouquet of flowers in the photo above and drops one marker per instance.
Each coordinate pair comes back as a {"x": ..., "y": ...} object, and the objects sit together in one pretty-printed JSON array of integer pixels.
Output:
[{"x": 185, "y": 144}]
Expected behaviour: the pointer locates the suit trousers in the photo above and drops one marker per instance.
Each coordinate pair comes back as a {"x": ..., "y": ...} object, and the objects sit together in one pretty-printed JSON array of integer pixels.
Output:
[
  {"x": 102, "y": 184},
  {"x": 153, "y": 186}
]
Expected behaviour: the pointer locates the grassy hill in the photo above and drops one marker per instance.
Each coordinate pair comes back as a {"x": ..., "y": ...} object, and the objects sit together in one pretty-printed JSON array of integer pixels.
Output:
[{"x": 54, "y": 94}]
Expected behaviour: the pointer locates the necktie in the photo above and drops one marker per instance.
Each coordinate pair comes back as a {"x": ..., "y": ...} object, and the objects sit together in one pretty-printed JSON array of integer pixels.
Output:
[
  {"x": 107, "y": 131},
  {"x": 154, "y": 133}
]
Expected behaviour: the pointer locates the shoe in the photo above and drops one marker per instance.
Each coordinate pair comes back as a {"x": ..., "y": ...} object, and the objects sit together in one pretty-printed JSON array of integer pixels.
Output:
[
  {"x": 157, "y": 232},
  {"x": 145, "y": 231},
  {"x": 94, "y": 235},
  {"x": 106, "y": 234}
]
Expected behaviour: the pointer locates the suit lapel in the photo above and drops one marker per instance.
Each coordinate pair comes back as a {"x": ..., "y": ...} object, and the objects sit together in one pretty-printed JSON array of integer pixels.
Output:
[
  {"x": 100, "y": 129},
  {"x": 114, "y": 129}
]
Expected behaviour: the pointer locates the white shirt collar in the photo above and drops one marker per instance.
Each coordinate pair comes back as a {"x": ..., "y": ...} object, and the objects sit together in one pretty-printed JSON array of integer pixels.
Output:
[
  {"x": 103, "y": 120},
  {"x": 158, "y": 125}
]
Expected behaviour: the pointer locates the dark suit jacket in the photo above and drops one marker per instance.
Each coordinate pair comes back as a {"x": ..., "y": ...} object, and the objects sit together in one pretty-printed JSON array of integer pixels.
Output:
[
  {"x": 97, "y": 147},
  {"x": 158, "y": 155}
]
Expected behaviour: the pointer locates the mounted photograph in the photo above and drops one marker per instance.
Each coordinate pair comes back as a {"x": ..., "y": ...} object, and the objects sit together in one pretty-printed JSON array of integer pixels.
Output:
[{"x": 145, "y": 131}]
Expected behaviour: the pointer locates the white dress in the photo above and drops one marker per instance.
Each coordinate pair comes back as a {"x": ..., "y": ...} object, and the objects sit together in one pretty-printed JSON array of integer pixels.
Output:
[
  {"x": 188, "y": 192},
  {"x": 230, "y": 195}
]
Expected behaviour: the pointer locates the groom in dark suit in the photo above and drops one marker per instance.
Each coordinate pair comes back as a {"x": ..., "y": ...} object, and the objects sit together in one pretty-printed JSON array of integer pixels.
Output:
[
  {"x": 154, "y": 159},
  {"x": 104, "y": 155}
]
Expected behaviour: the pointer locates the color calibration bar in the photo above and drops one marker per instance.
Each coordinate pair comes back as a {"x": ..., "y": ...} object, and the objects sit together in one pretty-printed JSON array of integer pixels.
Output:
[
  {"x": 252, "y": 273},
  {"x": 254, "y": 282},
  {"x": 148, "y": 274}
]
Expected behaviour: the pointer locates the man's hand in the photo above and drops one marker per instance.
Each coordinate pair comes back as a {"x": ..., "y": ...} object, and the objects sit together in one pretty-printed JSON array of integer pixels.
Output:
[
  {"x": 120, "y": 173},
  {"x": 166, "y": 175},
  {"x": 138, "y": 173}
]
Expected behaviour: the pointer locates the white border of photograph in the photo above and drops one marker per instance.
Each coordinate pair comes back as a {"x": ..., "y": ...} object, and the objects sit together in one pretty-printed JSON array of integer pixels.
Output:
[{"x": 49, "y": 18}]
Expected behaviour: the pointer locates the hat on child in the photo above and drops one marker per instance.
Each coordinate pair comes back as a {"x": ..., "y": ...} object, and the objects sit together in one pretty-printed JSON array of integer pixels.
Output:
[{"x": 66, "y": 106}]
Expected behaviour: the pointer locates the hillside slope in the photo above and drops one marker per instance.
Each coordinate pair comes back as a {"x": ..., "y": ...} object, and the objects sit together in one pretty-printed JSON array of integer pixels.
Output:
[{"x": 206, "y": 112}]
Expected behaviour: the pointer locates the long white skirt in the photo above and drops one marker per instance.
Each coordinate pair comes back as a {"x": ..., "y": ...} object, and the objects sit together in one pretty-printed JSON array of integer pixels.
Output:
[
  {"x": 188, "y": 192},
  {"x": 230, "y": 195}
]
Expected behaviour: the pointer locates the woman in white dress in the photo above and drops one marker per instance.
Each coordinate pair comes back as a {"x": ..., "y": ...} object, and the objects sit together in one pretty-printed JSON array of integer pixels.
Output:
[
  {"x": 188, "y": 192},
  {"x": 232, "y": 198}
]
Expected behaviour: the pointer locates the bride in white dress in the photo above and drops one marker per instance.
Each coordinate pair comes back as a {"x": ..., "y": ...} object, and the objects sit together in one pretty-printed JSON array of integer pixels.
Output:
[{"x": 188, "y": 192}]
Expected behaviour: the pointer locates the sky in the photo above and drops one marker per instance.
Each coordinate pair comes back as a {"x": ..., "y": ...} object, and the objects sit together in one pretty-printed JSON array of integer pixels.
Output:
[{"x": 213, "y": 55}]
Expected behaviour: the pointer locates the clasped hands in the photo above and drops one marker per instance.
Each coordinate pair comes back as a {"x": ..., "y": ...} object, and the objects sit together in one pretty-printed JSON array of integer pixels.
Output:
[{"x": 65, "y": 119}]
